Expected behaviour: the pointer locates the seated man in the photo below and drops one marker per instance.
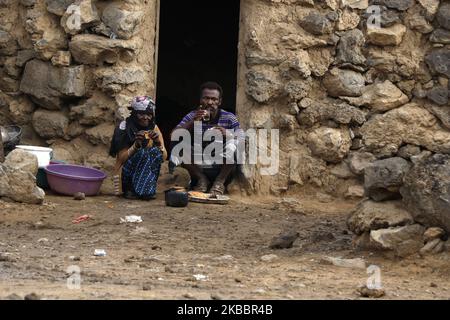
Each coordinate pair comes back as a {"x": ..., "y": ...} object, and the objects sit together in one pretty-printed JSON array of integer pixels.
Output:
[{"x": 211, "y": 117}]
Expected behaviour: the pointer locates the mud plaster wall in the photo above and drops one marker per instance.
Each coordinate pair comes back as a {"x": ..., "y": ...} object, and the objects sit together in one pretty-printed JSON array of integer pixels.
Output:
[{"x": 339, "y": 93}]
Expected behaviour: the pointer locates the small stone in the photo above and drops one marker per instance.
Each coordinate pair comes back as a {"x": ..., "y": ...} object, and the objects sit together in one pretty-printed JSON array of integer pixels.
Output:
[
  {"x": 79, "y": 196},
  {"x": 146, "y": 287},
  {"x": 32, "y": 296},
  {"x": 356, "y": 263},
  {"x": 433, "y": 247},
  {"x": 284, "y": 240},
  {"x": 371, "y": 293},
  {"x": 433, "y": 285},
  {"x": 42, "y": 240},
  {"x": 433, "y": 233},
  {"x": 74, "y": 258},
  {"x": 14, "y": 296}
]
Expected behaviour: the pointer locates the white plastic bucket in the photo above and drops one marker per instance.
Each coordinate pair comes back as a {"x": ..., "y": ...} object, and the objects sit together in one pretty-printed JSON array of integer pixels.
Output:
[{"x": 43, "y": 154}]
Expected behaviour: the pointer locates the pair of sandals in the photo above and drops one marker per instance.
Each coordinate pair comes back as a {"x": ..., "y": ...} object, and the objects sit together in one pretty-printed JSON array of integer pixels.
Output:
[{"x": 218, "y": 188}]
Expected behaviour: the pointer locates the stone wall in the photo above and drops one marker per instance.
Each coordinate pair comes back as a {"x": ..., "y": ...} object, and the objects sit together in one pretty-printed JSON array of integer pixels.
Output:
[
  {"x": 66, "y": 82},
  {"x": 343, "y": 95}
]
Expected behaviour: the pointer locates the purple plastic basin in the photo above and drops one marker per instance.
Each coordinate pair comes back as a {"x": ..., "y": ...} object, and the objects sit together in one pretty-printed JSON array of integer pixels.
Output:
[{"x": 69, "y": 179}]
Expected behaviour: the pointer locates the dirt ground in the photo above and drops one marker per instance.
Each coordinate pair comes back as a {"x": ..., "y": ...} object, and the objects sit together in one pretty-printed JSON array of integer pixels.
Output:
[{"x": 221, "y": 245}]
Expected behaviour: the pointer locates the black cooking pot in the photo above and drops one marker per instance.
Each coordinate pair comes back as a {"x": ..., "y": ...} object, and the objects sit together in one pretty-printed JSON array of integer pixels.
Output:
[{"x": 176, "y": 198}]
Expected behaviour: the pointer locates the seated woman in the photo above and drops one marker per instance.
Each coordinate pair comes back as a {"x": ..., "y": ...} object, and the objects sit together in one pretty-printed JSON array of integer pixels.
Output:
[{"x": 139, "y": 149}]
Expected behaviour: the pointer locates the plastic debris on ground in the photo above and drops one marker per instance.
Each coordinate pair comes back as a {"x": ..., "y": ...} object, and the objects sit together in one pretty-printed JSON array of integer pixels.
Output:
[
  {"x": 200, "y": 277},
  {"x": 131, "y": 219},
  {"x": 81, "y": 218},
  {"x": 99, "y": 252}
]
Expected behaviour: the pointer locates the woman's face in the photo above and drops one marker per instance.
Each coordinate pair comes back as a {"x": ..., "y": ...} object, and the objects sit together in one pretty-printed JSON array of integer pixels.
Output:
[{"x": 144, "y": 118}]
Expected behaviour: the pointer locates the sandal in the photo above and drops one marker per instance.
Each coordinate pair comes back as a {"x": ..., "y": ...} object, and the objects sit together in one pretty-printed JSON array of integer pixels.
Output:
[
  {"x": 217, "y": 189},
  {"x": 202, "y": 185}
]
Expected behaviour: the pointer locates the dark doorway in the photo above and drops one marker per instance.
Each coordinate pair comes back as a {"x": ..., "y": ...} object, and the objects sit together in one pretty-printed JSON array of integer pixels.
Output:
[{"x": 198, "y": 42}]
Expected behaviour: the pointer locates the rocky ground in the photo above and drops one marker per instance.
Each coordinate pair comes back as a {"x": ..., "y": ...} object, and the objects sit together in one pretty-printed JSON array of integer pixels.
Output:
[{"x": 198, "y": 252}]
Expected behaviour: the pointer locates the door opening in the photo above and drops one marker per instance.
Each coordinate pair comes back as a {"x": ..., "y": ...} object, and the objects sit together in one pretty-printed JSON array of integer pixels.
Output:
[{"x": 198, "y": 42}]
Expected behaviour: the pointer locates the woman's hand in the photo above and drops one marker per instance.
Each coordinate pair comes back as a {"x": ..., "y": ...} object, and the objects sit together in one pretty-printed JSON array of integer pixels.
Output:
[
  {"x": 139, "y": 139},
  {"x": 155, "y": 137}
]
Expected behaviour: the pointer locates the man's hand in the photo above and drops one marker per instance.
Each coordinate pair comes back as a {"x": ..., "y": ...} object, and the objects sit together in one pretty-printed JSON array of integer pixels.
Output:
[{"x": 199, "y": 114}]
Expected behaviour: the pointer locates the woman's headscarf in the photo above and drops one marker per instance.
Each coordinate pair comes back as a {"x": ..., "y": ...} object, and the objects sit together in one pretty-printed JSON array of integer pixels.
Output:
[{"x": 125, "y": 133}]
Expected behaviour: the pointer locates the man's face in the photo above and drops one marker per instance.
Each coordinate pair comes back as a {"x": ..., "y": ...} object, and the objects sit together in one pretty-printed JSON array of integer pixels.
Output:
[{"x": 211, "y": 99}]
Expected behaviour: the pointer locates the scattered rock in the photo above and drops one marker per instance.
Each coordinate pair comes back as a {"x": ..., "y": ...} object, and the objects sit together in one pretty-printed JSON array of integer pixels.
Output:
[
  {"x": 147, "y": 287},
  {"x": 329, "y": 144},
  {"x": 370, "y": 215},
  {"x": 371, "y": 293},
  {"x": 284, "y": 240},
  {"x": 425, "y": 191},
  {"x": 433, "y": 233},
  {"x": 21, "y": 160},
  {"x": 340, "y": 82},
  {"x": 32, "y": 296},
  {"x": 401, "y": 241},
  {"x": 13, "y": 296},
  {"x": 79, "y": 196},
  {"x": 386, "y": 36},
  {"x": 356, "y": 263},
  {"x": 359, "y": 161},
  {"x": 379, "y": 97},
  {"x": 383, "y": 178},
  {"x": 433, "y": 247}
]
